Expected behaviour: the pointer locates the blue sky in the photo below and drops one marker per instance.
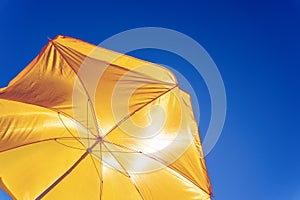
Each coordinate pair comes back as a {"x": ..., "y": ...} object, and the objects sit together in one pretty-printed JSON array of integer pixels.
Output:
[{"x": 255, "y": 45}]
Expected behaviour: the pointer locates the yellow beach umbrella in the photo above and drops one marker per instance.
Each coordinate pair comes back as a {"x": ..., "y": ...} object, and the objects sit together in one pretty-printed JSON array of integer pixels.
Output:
[{"x": 83, "y": 122}]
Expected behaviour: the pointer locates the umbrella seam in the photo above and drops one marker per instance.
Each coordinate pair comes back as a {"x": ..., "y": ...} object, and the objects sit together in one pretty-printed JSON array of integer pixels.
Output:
[
  {"x": 161, "y": 162},
  {"x": 118, "y": 66},
  {"x": 140, "y": 108},
  {"x": 84, "y": 87}
]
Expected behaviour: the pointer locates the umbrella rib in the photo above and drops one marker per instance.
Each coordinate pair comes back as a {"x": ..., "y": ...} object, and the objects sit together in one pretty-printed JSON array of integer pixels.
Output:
[
  {"x": 99, "y": 174},
  {"x": 126, "y": 173},
  {"x": 129, "y": 176},
  {"x": 136, "y": 187},
  {"x": 87, "y": 121},
  {"x": 69, "y": 117},
  {"x": 48, "y": 139},
  {"x": 157, "y": 160},
  {"x": 69, "y": 146},
  {"x": 117, "y": 161},
  {"x": 70, "y": 130},
  {"x": 181, "y": 176},
  {"x": 131, "y": 114},
  {"x": 56, "y": 111},
  {"x": 55, "y": 45},
  {"x": 57, "y": 181},
  {"x": 116, "y": 151},
  {"x": 109, "y": 165},
  {"x": 37, "y": 141},
  {"x": 101, "y": 187},
  {"x": 62, "y": 176}
]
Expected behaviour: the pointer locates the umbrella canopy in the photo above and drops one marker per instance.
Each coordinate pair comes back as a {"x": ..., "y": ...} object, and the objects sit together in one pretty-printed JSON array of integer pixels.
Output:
[{"x": 83, "y": 122}]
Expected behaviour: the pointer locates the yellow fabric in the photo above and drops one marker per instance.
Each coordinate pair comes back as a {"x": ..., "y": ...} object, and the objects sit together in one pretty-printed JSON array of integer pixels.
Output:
[{"x": 51, "y": 150}]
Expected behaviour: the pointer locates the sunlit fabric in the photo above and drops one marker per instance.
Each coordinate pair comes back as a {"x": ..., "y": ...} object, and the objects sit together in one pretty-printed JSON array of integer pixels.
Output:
[{"x": 83, "y": 122}]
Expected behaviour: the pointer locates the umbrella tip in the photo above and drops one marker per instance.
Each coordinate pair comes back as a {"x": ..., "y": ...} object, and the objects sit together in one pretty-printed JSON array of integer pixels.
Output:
[{"x": 49, "y": 38}]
